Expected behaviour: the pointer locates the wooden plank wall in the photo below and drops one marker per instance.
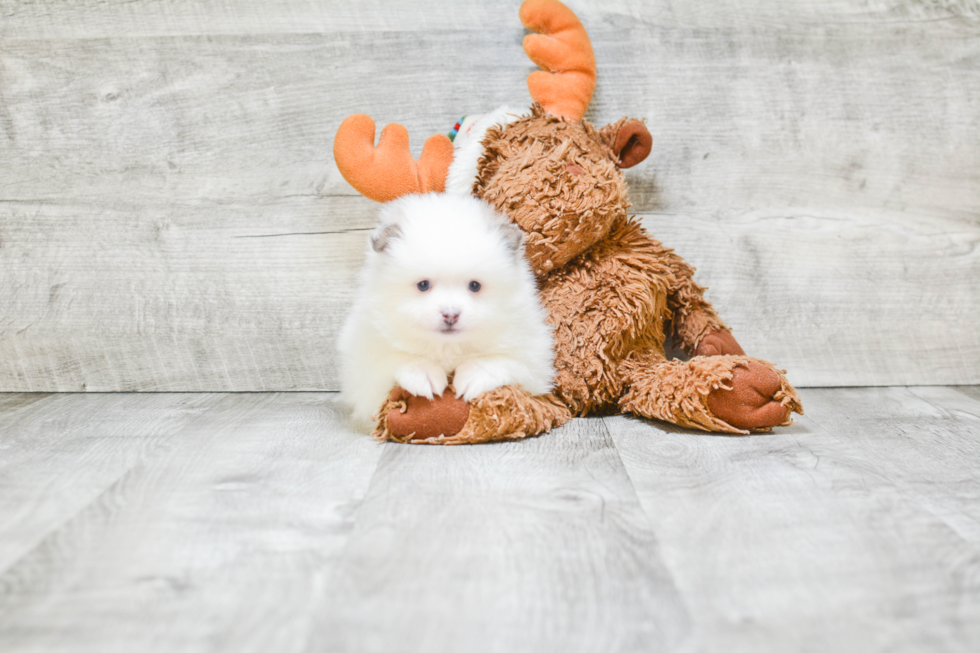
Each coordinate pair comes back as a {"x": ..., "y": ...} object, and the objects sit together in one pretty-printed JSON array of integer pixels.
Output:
[{"x": 171, "y": 217}]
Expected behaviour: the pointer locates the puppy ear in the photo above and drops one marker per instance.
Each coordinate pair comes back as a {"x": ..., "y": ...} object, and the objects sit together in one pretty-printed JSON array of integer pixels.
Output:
[
  {"x": 383, "y": 236},
  {"x": 513, "y": 238}
]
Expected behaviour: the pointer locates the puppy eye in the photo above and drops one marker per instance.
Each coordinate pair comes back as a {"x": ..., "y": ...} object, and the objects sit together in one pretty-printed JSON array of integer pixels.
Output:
[
  {"x": 423, "y": 285},
  {"x": 475, "y": 286}
]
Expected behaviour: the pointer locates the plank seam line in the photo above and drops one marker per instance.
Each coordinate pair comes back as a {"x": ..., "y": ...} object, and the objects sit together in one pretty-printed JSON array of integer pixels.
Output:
[
  {"x": 904, "y": 488},
  {"x": 306, "y": 233},
  {"x": 139, "y": 463},
  {"x": 619, "y": 457}
]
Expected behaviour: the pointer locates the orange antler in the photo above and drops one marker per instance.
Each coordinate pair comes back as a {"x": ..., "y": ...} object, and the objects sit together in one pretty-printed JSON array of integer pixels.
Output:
[
  {"x": 564, "y": 51},
  {"x": 388, "y": 171}
]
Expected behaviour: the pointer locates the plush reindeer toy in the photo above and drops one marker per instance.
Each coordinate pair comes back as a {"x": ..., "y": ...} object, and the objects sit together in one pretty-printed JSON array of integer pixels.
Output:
[{"x": 612, "y": 293}]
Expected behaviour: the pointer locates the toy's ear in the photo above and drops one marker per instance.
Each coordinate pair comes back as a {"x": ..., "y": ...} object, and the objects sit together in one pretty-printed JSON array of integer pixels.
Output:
[{"x": 629, "y": 139}]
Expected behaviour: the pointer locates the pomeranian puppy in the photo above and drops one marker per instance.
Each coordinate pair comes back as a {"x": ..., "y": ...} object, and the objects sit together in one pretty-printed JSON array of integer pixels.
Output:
[{"x": 445, "y": 291}]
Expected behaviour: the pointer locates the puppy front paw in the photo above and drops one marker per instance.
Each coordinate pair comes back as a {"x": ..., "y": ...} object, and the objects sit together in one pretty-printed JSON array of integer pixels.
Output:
[
  {"x": 473, "y": 378},
  {"x": 422, "y": 379}
]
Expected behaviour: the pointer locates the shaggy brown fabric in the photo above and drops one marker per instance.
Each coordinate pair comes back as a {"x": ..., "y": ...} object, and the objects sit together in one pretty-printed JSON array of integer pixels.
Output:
[
  {"x": 693, "y": 316},
  {"x": 507, "y": 413},
  {"x": 613, "y": 293},
  {"x": 613, "y": 300},
  {"x": 606, "y": 303},
  {"x": 524, "y": 173},
  {"x": 678, "y": 391}
]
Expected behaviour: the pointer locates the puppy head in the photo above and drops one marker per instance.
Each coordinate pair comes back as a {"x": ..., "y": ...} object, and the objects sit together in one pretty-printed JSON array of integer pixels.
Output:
[{"x": 445, "y": 269}]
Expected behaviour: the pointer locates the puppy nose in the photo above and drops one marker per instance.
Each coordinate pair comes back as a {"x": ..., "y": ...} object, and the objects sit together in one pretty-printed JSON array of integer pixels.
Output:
[{"x": 450, "y": 316}]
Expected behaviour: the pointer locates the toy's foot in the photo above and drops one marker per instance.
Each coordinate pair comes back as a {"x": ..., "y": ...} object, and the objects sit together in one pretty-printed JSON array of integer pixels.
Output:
[
  {"x": 719, "y": 343},
  {"x": 506, "y": 413},
  {"x": 418, "y": 418},
  {"x": 755, "y": 399},
  {"x": 723, "y": 394}
]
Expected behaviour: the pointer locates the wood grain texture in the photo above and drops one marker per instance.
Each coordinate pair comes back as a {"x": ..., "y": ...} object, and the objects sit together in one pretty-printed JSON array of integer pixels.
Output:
[
  {"x": 819, "y": 162},
  {"x": 970, "y": 391},
  {"x": 77, "y": 446},
  {"x": 11, "y": 402},
  {"x": 854, "y": 530},
  {"x": 529, "y": 546},
  {"x": 925, "y": 439},
  {"x": 140, "y": 19},
  {"x": 237, "y": 297},
  {"x": 842, "y": 300},
  {"x": 218, "y": 540},
  {"x": 260, "y": 522}
]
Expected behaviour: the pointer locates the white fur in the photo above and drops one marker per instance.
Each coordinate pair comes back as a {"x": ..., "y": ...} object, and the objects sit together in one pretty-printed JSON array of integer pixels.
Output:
[
  {"x": 397, "y": 334},
  {"x": 469, "y": 147}
]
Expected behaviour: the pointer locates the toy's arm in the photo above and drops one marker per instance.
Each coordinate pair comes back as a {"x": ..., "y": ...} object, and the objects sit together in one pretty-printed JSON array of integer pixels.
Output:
[{"x": 696, "y": 326}]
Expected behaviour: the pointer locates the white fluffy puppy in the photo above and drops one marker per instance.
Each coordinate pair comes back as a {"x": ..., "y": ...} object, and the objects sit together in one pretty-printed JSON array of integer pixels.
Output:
[{"x": 445, "y": 289}]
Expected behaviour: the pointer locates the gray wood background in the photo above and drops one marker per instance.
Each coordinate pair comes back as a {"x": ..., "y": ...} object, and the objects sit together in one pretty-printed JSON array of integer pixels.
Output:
[{"x": 171, "y": 217}]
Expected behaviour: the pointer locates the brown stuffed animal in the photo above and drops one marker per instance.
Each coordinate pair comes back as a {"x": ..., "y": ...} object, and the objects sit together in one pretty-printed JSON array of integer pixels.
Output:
[{"x": 613, "y": 293}]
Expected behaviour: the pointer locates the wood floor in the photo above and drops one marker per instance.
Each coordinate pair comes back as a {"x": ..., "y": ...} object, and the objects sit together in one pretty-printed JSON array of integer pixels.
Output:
[{"x": 260, "y": 522}]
